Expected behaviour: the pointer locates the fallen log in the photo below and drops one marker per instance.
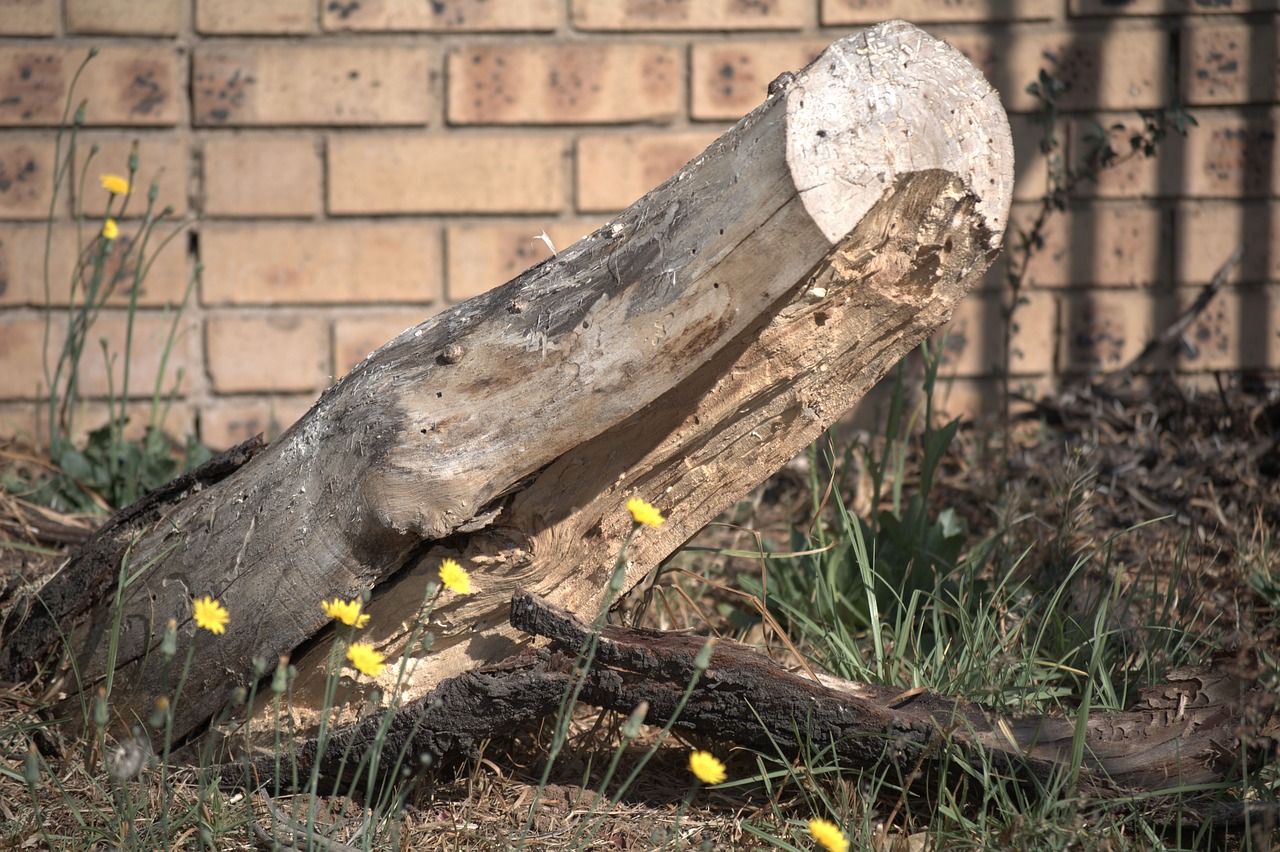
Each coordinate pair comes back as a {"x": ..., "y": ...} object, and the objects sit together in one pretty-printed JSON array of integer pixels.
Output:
[
  {"x": 1201, "y": 728},
  {"x": 682, "y": 353}
]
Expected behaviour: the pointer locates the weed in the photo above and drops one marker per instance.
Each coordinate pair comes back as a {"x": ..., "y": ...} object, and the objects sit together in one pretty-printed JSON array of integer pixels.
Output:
[{"x": 110, "y": 470}]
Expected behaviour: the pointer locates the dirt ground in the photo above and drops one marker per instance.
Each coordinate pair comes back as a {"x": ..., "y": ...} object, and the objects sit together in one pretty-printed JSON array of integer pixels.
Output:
[{"x": 1088, "y": 469}]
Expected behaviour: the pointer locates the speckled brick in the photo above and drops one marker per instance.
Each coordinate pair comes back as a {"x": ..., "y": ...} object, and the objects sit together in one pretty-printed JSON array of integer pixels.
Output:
[
  {"x": 162, "y": 159},
  {"x": 270, "y": 83},
  {"x": 1104, "y": 330},
  {"x": 844, "y": 12},
  {"x": 974, "y": 338},
  {"x": 22, "y": 266},
  {"x": 1133, "y": 176},
  {"x": 1237, "y": 330},
  {"x": 226, "y": 422},
  {"x": 482, "y": 256},
  {"x": 454, "y": 16},
  {"x": 398, "y": 173},
  {"x": 267, "y": 354},
  {"x": 320, "y": 263},
  {"x": 1121, "y": 69},
  {"x": 354, "y": 337},
  {"x": 1232, "y": 155},
  {"x": 256, "y": 175},
  {"x": 1207, "y": 232},
  {"x": 1231, "y": 64},
  {"x": 1110, "y": 8},
  {"x": 1100, "y": 245},
  {"x": 254, "y": 17},
  {"x": 565, "y": 83},
  {"x": 22, "y": 341},
  {"x": 729, "y": 79},
  {"x": 615, "y": 170},
  {"x": 692, "y": 15},
  {"x": 127, "y": 85},
  {"x": 124, "y": 17},
  {"x": 26, "y": 177},
  {"x": 28, "y": 17}
]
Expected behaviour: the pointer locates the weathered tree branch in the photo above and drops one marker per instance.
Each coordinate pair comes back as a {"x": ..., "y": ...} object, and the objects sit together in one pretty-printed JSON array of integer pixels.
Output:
[{"x": 1201, "y": 727}]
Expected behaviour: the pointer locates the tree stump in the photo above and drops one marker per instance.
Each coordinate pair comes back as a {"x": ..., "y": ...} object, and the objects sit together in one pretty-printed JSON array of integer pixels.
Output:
[{"x": 682, "y": 353}]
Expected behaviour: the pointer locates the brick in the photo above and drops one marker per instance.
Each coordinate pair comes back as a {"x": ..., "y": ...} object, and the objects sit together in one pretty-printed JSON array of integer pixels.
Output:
[
  {"x": 272, "y": 354},
  {"x": 130, "y": 85},
  {"x": 320, "y": 263},
  {"x": 246, "y": 175},
  {"x": 22, "y": 267},
  {"x": 567, "y": 83},
  {"x": 253, "y": 17},
  {"x": 1103, "y": 245},
  {"x": 974, "y": 337},
  {"x": 615, "y": 170},
  {"x": 1118, "y": 69},
  {"x": 28, "y": 17},
  {"x": 1237, "y": 330},
  {"x": 354, "y": 337},
  {"x": 1231, "y": 64},
  {"x": 976, "y": 398},
  {"x": 845, "y": 12},
  {"x": 22, "y": 342},
  {"x": 1030, "y": 163},
  {"x": 1105, "y": 330},
  {"x": 124, "y": 17},
  {"x": 269, "y": 83},
  {"x": 1206, "y": 232},
  {"x": 21, "y": 353},
  {"x": 482, "y": 256},
  {"x": 459, "y": 173},
  {"x": 162, "y": 159},
  {"x": 1130, "y": 176},
  {"x": 26, "y": 177},
  {"x": 1231, "y": 155},
  {"x": 28, "y": 421},
  {"x": 455, "y": 16},
  {"x": 227, "y": 422},
  {"x": 1085, "y": 8},
  {"x": 722, "y": 15},
  {"x": 729, "y": 79}
]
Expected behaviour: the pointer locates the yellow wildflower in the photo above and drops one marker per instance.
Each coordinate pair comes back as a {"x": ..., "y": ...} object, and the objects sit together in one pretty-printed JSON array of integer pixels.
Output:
[
  {"x": 210, "y": 615},
  {"x": 707, "y": 768},
  {"x": 454, "y": 577},
  {"x": 110, "y": 230},
  {"x": 367, "y": 660},
  {"x": 115, "y": 184},
  {"x": 828, "y": 836},
  {"x": 644, "y": 513},
  {"x": 348, "y": 612}
]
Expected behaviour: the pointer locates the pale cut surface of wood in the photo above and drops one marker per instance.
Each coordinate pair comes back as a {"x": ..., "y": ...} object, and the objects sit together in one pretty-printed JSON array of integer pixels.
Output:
[{"x": 681, "y": 354}]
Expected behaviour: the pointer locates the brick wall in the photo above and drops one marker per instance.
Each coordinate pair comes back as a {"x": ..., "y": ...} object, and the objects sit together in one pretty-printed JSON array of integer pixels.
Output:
[{"x": 359, "y": 165}]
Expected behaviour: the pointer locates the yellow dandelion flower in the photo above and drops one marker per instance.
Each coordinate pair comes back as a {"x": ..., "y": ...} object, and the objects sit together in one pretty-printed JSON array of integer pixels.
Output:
[
  {"x": 115, "y": 184},
  {"x": 110, "y": 230},
  {"x": 210, "y": 615},
  {"x": 348, "y": 612},
  {"x": 644, "y": 513},
  {"x": 707, "y": 768},
  {"x": 828, "y": 836},
  {"x": 454, "y": 577},
  {"x": 367, "y": 660}
]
